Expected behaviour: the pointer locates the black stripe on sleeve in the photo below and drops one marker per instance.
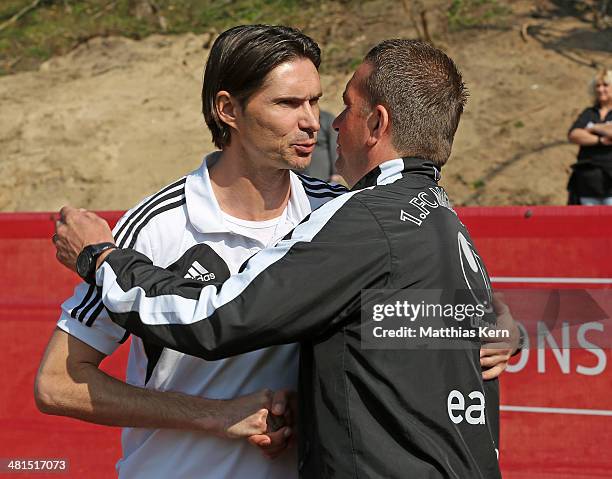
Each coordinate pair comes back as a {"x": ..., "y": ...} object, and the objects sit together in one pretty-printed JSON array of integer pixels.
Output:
[
  {"x": 325, "y": 187},
  {"x": 88, "y": 295},
  {"x": 316, "y": 184},
  {"x": 153, "y": 352},
  {"x": 144, "y": 209},
  {"x": 148, "y": 203},
  {"x": 155, "y": 213},
  {"x": 133, "y": 222},
  {"x": 96, "y": 301},
  {"x": 326, "y": 194},
  {"x": 126, "y": 335},
  {"x": 96, "y": 312},
  {"x": 98, "y": 296}
]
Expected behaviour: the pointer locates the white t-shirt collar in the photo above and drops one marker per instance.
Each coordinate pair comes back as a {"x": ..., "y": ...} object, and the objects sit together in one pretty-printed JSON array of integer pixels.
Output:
[{"x": 206, "y": 215}]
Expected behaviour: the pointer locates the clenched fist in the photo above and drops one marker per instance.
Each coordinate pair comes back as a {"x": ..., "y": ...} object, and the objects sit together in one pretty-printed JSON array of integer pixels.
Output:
[{"x": 75, "y": 229}]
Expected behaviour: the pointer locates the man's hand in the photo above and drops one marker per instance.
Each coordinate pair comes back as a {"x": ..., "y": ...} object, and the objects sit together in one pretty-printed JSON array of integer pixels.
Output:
[
  {"x": 276, "y": 440},
  {"x": 494, "y": 359},
  {"x": 245, "y": 416},
  {"x": 75, "y": 229}
]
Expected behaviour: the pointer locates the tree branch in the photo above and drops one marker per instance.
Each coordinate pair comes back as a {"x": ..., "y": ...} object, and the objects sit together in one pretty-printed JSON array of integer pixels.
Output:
[{"x": 20, "y": 14}]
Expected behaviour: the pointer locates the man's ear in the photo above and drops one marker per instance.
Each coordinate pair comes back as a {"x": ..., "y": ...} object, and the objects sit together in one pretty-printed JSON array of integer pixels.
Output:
[
  {"x": 378, "y": 124},
  {"x": 227, "y": 107}
]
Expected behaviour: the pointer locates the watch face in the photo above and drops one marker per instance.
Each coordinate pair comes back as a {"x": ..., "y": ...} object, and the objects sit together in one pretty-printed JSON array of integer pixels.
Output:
[{"x": 83, "y": 263}]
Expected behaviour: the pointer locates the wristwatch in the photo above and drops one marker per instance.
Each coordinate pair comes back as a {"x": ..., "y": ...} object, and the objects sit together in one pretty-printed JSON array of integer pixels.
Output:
[{"x": 86, "y": 261}]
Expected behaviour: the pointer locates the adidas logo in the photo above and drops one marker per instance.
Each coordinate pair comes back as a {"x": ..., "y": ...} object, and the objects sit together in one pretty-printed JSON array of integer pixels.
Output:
[{"x": 199, "y": 273}]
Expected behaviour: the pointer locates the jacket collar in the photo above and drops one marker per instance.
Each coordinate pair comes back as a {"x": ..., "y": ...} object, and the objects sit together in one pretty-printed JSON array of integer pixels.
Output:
[{"x": 392, "y": 170}]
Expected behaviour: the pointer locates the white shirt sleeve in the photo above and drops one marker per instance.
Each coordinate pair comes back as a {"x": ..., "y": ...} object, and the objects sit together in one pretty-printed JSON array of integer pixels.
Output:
[{"x": 85, "y": 317}]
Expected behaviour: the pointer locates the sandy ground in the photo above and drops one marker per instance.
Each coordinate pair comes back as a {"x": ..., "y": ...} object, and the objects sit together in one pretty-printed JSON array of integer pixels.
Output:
[{"x": 116, "y": 119}]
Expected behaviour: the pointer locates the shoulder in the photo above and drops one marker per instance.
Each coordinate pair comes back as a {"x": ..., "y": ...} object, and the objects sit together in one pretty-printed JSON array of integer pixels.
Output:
[
  {"x": 319, "y": 189},
  {"x": 166, "y": 205},
  {"x": 588, "y": 115},
  {"x": 341, "y": 218},
  {"x": 589, "y": 112}
]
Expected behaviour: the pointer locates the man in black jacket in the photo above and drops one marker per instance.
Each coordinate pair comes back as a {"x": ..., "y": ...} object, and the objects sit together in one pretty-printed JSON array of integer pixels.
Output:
[{"x": 368, "y": 408}]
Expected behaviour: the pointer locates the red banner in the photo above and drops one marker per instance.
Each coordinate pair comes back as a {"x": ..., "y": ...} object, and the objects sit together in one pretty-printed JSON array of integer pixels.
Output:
[{"x": 556, "y": 401}]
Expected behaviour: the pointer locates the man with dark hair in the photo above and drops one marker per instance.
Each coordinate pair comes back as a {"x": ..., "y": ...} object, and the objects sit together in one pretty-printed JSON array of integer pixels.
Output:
[
  {"x": 240, "y": 64},
  {"x": 260, "y": 101},
  {"x": 370, "y": 412}
]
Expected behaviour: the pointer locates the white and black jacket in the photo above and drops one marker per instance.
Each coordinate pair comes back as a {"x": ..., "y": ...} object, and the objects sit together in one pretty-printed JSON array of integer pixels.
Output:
[{"x": 364, "y": 413}]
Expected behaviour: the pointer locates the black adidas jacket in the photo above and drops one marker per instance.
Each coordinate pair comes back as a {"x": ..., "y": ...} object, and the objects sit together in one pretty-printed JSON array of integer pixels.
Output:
[{"x": 364, "y": 413}]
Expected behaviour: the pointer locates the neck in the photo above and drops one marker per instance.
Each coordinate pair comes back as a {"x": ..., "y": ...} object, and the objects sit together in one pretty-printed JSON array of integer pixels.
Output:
[
  {"x": 376, "y": 156},
  {"x": 246, "y": 190}
]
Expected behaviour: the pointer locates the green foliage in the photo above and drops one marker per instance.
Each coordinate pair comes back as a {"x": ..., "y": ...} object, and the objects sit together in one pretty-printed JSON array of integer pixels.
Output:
[
  {"x": 474, "y": 13},
  {"x": 56, "y": 26},
  {"x": 478, "y": 184},
  {"x": 354, "y": 62},
  {"x": 224, "y": 14}
]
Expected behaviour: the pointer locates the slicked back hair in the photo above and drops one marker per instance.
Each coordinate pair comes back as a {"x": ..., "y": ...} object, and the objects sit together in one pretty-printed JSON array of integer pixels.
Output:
[
  {"x": 424, "y": 93},
  {"x": 239, "y": 61}
]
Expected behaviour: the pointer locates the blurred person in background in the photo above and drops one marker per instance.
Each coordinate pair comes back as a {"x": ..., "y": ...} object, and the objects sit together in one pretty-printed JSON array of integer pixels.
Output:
[
  {"x": 591, "y": 180},
  {"x": 323, "y": 164}
]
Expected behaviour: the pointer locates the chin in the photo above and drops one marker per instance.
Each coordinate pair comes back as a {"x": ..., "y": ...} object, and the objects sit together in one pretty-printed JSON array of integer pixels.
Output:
[{"x": 299, "y": 162}]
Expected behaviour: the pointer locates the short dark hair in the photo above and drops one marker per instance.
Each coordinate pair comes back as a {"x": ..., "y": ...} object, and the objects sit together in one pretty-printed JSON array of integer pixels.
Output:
[
  {"x": 423, "y": 90},
  {"x": 239, "y": 61}
]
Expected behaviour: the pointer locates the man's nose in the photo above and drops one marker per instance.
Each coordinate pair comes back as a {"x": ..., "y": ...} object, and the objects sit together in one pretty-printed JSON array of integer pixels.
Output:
[
  {"x": 336, "y": 123},
  {"x": 310, "y": 118}
]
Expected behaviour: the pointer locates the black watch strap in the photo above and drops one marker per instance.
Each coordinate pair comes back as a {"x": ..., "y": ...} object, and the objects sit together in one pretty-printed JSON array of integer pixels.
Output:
[
  {"x": 86, "y": 261},
  {"x": 98, "y": 249}
]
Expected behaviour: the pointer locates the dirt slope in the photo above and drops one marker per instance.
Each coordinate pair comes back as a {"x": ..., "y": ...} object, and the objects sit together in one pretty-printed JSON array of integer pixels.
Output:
[{"x": 116, "y": 119}]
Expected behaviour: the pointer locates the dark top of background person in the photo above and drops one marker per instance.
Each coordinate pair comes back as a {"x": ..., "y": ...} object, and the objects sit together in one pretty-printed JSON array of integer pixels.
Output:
[
  {"x": 598, "y": 154},
  {"x": 592, "y": 173},
  {"x": 324, "y": 154}
]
